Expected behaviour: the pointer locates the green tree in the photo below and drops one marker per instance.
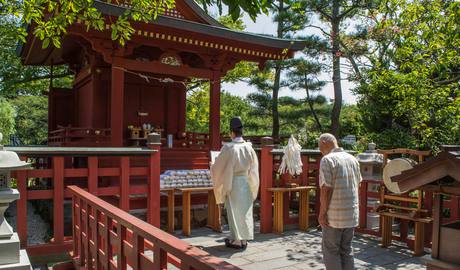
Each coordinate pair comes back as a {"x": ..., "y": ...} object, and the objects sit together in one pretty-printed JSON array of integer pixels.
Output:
[
  {"x": 51, "y": 18},
  {"x": 7, "y": 114},
  {"x": 334, "y": 20},
  {"x": 31, "y": 119},
  {"x": 290, "y": 18},
  {"x": 413, "y": 84},
  {"x": 197, "y": 118},
  {"x": 16, "y": 79},
  {"x": 303, "y": 76}
]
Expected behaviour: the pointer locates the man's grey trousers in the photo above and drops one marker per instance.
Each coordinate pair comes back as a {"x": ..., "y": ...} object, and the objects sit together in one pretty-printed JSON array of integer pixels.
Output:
[{"x": 337, "y": 250}]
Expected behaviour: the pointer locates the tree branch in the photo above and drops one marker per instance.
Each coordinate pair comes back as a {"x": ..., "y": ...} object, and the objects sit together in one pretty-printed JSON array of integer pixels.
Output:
[
  {"x": 449, "y": 81},
  {"x": 49, "y": 76},
  {"x": 321, "y": 29}
]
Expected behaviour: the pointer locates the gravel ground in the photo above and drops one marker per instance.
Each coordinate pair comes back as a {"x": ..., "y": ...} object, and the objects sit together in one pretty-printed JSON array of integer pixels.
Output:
[{"x": 37, "y": 229}]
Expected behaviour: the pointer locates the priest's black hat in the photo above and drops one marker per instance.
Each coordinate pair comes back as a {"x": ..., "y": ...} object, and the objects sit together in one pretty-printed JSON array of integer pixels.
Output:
[{"x": 236, "y": 123}]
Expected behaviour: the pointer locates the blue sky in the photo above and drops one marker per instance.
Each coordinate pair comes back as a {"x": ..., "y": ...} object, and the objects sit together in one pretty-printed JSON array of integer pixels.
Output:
[{"x": 265, "y": 25}]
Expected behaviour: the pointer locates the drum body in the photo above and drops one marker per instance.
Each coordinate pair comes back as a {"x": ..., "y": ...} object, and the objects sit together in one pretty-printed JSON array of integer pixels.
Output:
[{"x": 395, "y": 167}]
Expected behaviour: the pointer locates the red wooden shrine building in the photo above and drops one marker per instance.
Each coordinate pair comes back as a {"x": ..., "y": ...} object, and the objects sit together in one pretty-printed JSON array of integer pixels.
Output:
[
  {"x": 144, "y": 82},
  {"x": 119, "y": 94}
]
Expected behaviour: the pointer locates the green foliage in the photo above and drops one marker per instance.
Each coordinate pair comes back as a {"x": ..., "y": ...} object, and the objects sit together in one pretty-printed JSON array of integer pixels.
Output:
[
  {"x": 51, "y": 18},
  {"x": 198, "y": 110},
  {"x": 7, "y": 114},
  {"x": 31, "y": 119},
  {"x": 17, "y": 79},
  {"x": 236, "y": 7},
  {"x": 413, "y": 85}
]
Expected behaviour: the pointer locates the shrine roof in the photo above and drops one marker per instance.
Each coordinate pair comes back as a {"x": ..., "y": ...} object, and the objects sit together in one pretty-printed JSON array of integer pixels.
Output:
[
  {"x": 445, "y": 164},
  {"x": 214, "y": 29},
  {"x": 187, "y": 21}
]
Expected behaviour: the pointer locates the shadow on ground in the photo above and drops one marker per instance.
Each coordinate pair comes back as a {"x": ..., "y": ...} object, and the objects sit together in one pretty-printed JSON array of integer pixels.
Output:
[{"x": 301, "y": 250}]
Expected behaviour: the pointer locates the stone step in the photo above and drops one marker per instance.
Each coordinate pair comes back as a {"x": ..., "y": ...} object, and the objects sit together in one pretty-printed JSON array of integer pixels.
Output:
[{"x": 23, "y": 264}]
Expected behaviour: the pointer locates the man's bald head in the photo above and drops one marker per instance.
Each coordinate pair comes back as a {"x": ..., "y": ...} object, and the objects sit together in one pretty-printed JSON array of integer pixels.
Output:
[{"x": 327, "y": 142}]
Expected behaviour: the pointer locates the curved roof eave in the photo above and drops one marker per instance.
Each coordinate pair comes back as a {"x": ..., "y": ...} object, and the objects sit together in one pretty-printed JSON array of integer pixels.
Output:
[
  {"x": 269, "y": 41},
  {"x": 202, "y": 14}
]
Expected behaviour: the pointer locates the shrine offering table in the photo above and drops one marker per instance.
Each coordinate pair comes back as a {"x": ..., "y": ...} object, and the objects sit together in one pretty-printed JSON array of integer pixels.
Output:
[
  {"x": 304, "y": 207},
  {"x": 213, "y": 209}
]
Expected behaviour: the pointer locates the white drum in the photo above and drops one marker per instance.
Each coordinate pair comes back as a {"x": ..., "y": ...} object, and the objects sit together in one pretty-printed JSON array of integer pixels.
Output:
[{"x": 395, "y": 167}]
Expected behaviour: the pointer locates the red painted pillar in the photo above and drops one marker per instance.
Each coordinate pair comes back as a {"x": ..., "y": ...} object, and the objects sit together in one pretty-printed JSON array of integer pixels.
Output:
[
  {"x": 214, "y": 113},
  {"x": 266, "y": 182},
  {"x": 182, "y": 108},
  {"x": 124, "y": 183},
  {"x": 58, "y": 199},
  {"x": 153, "y": 197},
  {"x": 318, "y": 190},
  {"x": 93, "y": 175},
  {"x": 116, "y": 106},
  {"x": 21, "y": 205}
]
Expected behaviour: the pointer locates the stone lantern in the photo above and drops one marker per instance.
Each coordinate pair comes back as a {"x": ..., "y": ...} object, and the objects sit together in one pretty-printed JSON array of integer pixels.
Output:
[
  {"x": 10, "y": 255},
  {"x": 371, "y": 163}
]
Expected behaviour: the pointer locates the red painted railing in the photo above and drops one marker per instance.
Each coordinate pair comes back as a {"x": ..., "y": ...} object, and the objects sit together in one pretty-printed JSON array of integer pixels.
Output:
[
  {"x": 106, "y": 237},
  {"x": 112, "y": 173},
  {"x": 75, "y": 136}
]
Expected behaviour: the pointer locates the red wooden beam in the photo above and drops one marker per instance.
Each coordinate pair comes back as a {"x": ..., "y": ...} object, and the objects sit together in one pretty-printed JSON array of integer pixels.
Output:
[
  {"x": 58, "y": 199},
  {"x": 266, "y": 182},
  {"x": 92, "y": 175},
  {"x": 124, "y": 183},
  {"x": 21, "y": 204},
  {"x": 116, "y": 106},
  {"x": 214, "y": 113},
  {"x": 153, "y": 207}
]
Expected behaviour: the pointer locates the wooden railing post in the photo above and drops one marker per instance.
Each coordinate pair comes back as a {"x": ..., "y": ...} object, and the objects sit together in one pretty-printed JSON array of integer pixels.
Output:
[
  {"x": 266, "y": 182},
  {"x": 363, "y": 204},
  {"x": 21, "y": 206},
  {"x": 153, "y": 200},
  {"x": 93, "y": 175},
  {"x": 124, "y": 183},
  {"x": 123, "y": 238},
  {"x": 58, "y": 199}
]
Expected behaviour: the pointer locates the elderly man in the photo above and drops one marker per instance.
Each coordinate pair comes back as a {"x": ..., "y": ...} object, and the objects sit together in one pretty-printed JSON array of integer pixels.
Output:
[{"x": 339, "y": 180}]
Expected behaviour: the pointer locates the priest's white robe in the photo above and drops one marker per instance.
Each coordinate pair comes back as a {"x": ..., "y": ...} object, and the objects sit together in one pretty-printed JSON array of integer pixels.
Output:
[{"x": 235, "y": 176}]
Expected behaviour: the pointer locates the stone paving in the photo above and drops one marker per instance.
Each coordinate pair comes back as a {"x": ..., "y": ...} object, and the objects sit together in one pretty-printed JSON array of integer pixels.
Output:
[{"x": 301, "y": 250}]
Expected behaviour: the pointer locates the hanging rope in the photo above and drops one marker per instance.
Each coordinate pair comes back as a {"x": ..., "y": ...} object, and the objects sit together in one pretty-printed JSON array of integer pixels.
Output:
[
  {"x": 292, "y": 162},
  {"x": 148, "y": 78}
]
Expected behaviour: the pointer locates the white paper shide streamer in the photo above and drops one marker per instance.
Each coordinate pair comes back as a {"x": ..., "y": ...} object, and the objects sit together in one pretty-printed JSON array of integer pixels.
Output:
[{"x": 292, "y": 162}]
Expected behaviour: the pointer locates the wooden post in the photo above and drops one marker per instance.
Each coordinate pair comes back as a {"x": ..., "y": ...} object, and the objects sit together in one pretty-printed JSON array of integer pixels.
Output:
[
  {"x": 363, "y": 188},
  {"x": 213, "y": 213},
  {"x": 74, "y": 227},
  {"x": 266, "y": 182},
  {"x": 214, "y": 113},
  {"x": 186, "y": 213},
  {"x": 171, "y": 211},
  {"x": 124, "y": 183},
  {"x": 22, "y": 207},
  {"x": 437, "y": 222},
  {"x": 419, "y": 242},
  {"x": 387, "y": 230},
  {"x": 304, "y": 210},
  {"x": 116, "y": 106},
  {"x": 58, "y": 199},
  {"x": 153, "y": 208},
  {"x": 93, "y": 175},
  {"x": 278, "y": 220}
]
